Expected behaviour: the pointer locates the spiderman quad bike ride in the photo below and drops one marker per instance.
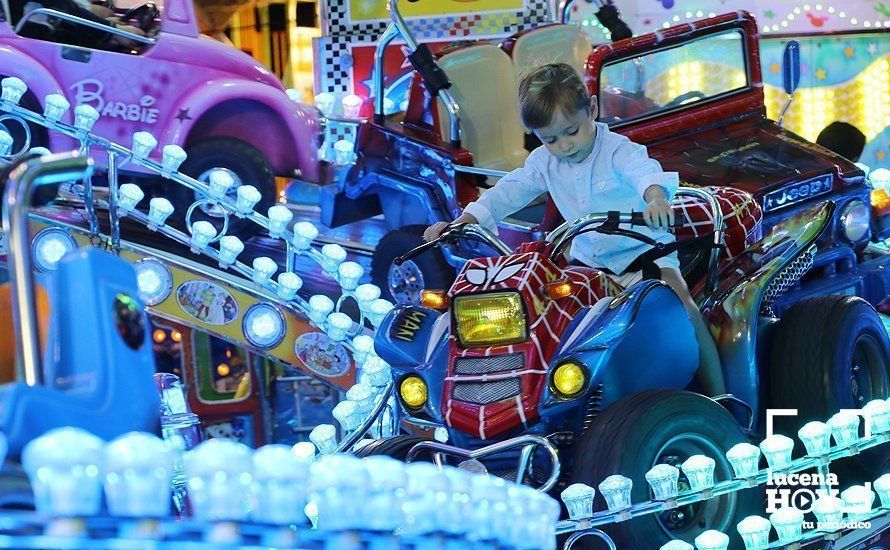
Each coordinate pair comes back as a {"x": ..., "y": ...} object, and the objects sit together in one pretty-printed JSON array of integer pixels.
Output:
[{"x": 527, "y": 358}]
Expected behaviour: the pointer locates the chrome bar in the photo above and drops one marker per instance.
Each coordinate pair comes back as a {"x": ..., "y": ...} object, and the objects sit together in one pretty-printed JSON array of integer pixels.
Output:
[
  {"x": 480, "y": 171},
  {"x": 382, "y": 44},
  {"x": 88, "y": 203},
  {"x": 81, "y": 21},
  {"x": 593, "y": 532},
  {"x": 54, "y": 169},
  {"x": 113, "y": 215},
  {"x": 360, "y": 432},
  {"x": 489, "y": 238},
  {"x": 494, "y": 448}
]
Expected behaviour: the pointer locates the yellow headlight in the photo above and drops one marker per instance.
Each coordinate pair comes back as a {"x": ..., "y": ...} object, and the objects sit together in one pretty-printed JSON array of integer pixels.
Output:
[
  {"x": 413, "y": 392},
  {"x": 489, "y": 319},
  {"x": 569, "y": 379}
]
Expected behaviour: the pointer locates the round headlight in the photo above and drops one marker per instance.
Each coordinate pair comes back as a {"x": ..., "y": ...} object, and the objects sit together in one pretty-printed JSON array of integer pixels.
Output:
[
  {"x": 50, "y": 246},
  {"x": 413, "y": 392},
  {"x": 154, "y": 281},
  {"x": 569, "y": 379},
  {"x": 854, "y": 220},
  {"x": 264, "y": 326}
]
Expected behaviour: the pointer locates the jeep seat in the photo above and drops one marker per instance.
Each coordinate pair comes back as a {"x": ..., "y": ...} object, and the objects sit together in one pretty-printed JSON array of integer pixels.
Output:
[
  {"x": 548, "y": 44},
  {"x": 484, "y": 86}
]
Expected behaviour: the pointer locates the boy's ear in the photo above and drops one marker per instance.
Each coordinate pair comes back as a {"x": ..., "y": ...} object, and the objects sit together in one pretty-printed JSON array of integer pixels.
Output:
[{"x": 594, "y": 108}]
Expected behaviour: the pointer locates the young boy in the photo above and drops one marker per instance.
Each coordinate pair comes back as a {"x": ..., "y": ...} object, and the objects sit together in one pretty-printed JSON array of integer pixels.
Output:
[{"x": 586, "y": 168}]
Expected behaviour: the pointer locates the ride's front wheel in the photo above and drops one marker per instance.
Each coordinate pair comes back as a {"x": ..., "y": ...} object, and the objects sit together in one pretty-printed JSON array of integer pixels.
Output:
[
  {"x": 247, "y": 166},
  {"x": 830, "y": 353},
  {"x": 402, "y": 284},
  {"x": 664, "y": 426}
]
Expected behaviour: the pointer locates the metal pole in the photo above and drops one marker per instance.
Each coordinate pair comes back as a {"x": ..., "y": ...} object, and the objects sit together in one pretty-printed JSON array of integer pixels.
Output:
[
  {"x": 113, "y": 217},
  {"x": 88, "y": 203},
  {"x": 15, "y": 223}
]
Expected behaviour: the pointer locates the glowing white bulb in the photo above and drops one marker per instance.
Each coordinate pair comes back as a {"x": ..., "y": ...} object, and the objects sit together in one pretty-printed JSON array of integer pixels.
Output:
[
  {"x": 294, "y": 95},
  {"x": 263, "y": 325},
  {"x": 663, "y": 478},
  {"x": 6, "y": 142},
  {"x": 229, "y": 248},
  {"x": 320, "y": 306},
  {"x": 172, "y": 158},
  {"x": 366, "y": 294},
  {"x": 153, "y": 280},
  {"x": 219, "y": 474},
  {"x": 85, "y": 116},
  {"x": 143, "y": 144},
  {"x": 754, "y": 531},
  {"x": 676, "y": 545},
  {"x": 816, "y": 437},
  {"x": 777, "y": 449},
  {"x": 829, "y": 511},
  {"x": 324, "y": 437},
  {"x": 334, "y": 255},
  {"x": 352, "y": 106},
  {"x": 844, "y": 428},
  {"x": 616, "y": 492},
  {"x": 858, "y": 501},
  {"x": 279, "y": 217},
  {"x": 699, "y": 470},
  {"x": 350, "y": 273},
  {"x": 325, "y": 103},
  {"x": 712, "y": 540},
  {"x": 363, "y": 397},
  {"x": 363, "y": 346},
  {"x": 248, "y": 196},
  {"x": 202, "y": 233},
  {"x": 128, "y": 196},
  {"x": 220, "y": 181},
  {"x": 877, "y": 412},
  {"x": 280, "y": 486},
  {"x": 378, "y": 310},
  {"x": 578, "y": 499},
  {"x": 745, "y": 459},
  {"x": 288, "y": 285},
  {"x": 304, "y": 234},
  {"x": 54, "y": 107},
  {"x": 346, "y": 413},
  {"x": 788, "y": 523},
  {"x": 377, "y": 372},
  {"x": 137, "y": 469},
  {"x": 13, "y": 89},
  {"x": 304, "y": 451},
  {"x": 344, "y": 152},
  {"x": 338, "y": 326},
  {"x": 159, "y": 209},
  {"x": 882, "y": 487},
  {"x": 263, "y": 269}
]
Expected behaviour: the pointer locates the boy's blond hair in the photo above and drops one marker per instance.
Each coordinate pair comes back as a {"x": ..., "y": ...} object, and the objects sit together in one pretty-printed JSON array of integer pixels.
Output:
[{"x": 545, "y": 89}]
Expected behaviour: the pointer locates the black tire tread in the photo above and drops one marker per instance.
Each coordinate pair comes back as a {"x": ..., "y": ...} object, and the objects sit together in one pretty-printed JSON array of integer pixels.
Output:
[{"x": 396, "y": 447}]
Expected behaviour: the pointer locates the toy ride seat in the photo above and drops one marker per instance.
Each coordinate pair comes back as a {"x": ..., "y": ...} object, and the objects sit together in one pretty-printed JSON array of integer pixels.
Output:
[
  {"x": 548, "y": 44},
  {"x": 484, "y": 86}
]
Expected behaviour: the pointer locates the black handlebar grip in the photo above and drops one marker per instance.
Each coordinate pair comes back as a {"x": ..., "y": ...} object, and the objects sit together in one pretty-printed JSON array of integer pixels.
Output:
[
  {"x": 432, "y": 74},
  {"x": 636, "y": 218},
  {"x": 610, "y": 18}
]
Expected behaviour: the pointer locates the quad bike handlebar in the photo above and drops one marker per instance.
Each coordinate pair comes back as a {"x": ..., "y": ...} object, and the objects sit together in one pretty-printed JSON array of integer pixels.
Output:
[{"x": 455, "y": 232}]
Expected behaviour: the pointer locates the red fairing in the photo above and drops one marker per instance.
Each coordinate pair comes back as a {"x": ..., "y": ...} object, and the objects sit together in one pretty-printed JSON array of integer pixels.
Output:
[
  {"x": 742, "y": 217},
  {"x": 526, "y": 272}
]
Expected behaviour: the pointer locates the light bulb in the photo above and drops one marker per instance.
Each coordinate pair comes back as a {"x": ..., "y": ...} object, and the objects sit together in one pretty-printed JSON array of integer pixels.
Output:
[
  {"x": 320, "y": 306},
  {"x": 288, "y": 285},
  {"x": 279, "y": 217},
  {"x": 229, "y": 248},
  {"x": 6, "y": 142},
  {"x": 304, "y": 451},
  {"x": 128, "y": 196},
  {"x": 378, "y": 310},
  {"x": 877, "y": 412},
  {"x": 346, "y": 413},
  {"x": 699, "y": 470},
  {"x": 350, "y": 273},
  {"x": 777, "y": 449},
  {"x": 829, "y": 511},
  {"x": 333, "y": 255},
  {"x": 219, "y": 183},
  {"x": 377, "y": 372},
  {"x": 138, "y": 467},
  {"x": 343, "y": 152},
  {"x": 325, "y": 103},
  {"x": 363, "y": 397},
  {"x": 338, "y": 326},
  {"x": 248, "y": 196},
  {"x": 788, "y": 523},
  {"x": 352, "y": 106},
  {"x": 882, "y": 487},
  {"x": 324, "y": 437},
  {"x": 754, "y": 531},
  {"x": 858, "y": 501},
  {"x": 363, "y": 346},
  {"x": 578, "y": 499},
  {"x": 662, "y": 479},
  {"x": 304, "y": 234},
  {"x": 172, "y": 158},
  {"x": 280, "y": 486},
  {"x": 54, "y": 107},
  {"x": 85, "y": 116},
  {"x": 143, "y": 144},
  {"x": 844, "y": 428},
  {"x": 616, "y": 492},
  {"x": 159, "y": 209},
  {"x": 202, "y": 233},
  {"x": 745, "y": 459},
  {"x": 365, "y": 295},
  {"x": 712, "y": 540},
  {"x": 13, "y": 89},
  {"x": 263, "y": 269},
  {"x": 219, "y": 474},
  {"x": 294, "y": 95},
  {"x": 816, "y": 437}
]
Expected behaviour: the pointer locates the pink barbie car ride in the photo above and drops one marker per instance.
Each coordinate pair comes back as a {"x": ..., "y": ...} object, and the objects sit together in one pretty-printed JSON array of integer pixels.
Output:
[{"x": 154, "y": 72}]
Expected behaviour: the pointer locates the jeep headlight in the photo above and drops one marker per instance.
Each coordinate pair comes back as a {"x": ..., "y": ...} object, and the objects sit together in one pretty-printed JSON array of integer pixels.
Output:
[
  {"x": 413, "y": 392},
  {"x": 854, "y": 220},
  {"x": 489, "y": 319},
  {"x": 569, "y": 379}
]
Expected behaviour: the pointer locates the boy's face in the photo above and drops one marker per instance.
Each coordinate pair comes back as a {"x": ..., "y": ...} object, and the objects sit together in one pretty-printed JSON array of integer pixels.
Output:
[{"x": 570, "y": 138}]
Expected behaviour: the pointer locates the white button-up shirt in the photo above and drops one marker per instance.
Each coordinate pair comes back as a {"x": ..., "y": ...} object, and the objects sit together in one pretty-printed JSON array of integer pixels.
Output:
[{"x": 613, "y": 177}]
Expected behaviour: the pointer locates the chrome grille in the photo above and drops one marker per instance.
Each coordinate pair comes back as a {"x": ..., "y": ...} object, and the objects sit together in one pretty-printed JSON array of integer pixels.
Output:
[
  {"x": 787, "y": 278},
  {"x": 488, "y": 365},
  {"x": 483, "y": 393}
]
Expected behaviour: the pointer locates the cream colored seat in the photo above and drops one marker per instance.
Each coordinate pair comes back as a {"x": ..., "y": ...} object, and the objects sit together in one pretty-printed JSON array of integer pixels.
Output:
[
  {"x": 551, "y": 44},
  {"x": 483, "y": 83}
]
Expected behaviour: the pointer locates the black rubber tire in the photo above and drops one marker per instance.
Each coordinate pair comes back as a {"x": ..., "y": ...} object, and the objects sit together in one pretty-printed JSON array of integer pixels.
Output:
[
  {"x": 240, "y": 157},
  {"x": 396, "y": 447},
  {"x": 626, "y": 439},
  {"x": 437, "y": 273},
  {"x": 811, "y": 368}
]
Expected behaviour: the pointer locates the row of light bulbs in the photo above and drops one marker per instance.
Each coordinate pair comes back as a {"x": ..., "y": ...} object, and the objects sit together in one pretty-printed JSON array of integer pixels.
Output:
[
  {"x": 230, "y": 485},
  {"x": 744, "y": 458}
]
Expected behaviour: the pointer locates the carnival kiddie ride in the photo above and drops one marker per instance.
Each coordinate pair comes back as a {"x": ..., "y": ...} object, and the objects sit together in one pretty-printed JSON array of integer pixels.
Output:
[{"x": 459, "y": 134}]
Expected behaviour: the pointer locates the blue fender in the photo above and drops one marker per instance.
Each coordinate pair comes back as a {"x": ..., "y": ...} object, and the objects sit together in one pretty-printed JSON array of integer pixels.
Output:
[
  {"x": 414, "y": 340},
  {"x": 102, "y": 379},
  {"x": 640, "y": 340}
]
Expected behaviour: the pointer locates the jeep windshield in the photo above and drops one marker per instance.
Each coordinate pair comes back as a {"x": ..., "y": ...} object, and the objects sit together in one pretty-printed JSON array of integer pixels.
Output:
[{"x": 674, "y": 78}]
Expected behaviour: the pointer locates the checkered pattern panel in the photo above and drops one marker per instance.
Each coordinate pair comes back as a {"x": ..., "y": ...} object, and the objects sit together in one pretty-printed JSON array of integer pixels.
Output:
[{"x": 333, "y": 63}]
